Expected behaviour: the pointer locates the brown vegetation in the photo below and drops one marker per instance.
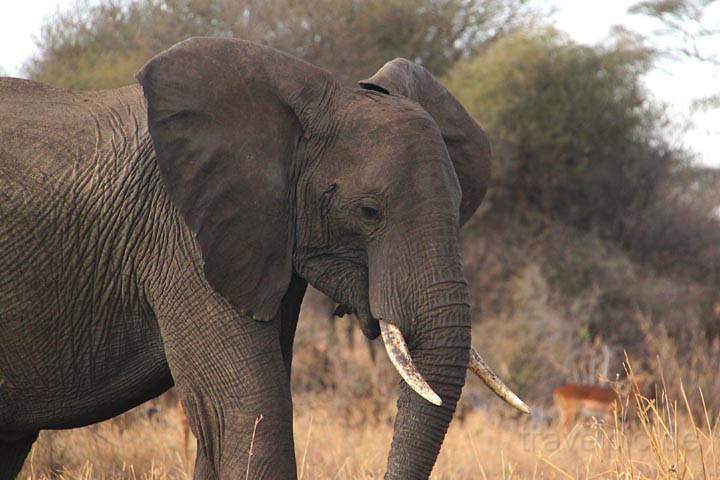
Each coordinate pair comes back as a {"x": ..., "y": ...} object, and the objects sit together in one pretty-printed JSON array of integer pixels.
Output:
[
  {"x": 344, "y": 411},
  {"x": 666, "y": 443}
]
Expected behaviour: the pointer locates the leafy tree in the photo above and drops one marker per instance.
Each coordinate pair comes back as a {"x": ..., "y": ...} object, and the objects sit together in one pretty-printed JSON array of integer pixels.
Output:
[
  {"x": 103, "y": 45},
  {"x": 574, "y": 133},
  {"x": 577, "y": 139}
]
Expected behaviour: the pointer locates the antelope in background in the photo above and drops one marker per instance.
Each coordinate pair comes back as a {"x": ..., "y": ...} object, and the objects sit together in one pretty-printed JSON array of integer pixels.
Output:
[
  {"x": 573, "y": 400},
  {"x": 601, "y": 401}
]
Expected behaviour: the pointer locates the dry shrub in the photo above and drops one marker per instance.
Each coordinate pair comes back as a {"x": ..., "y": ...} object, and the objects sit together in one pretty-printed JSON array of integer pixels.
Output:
[
  {"x": 685, "y": 372},
  {"x": 548, "y": 295},
  {"x": 326, "y": 366}
]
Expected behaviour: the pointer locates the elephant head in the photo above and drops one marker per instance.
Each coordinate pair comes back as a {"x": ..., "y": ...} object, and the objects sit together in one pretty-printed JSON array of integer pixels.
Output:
[{"x": 278, "y": 170}]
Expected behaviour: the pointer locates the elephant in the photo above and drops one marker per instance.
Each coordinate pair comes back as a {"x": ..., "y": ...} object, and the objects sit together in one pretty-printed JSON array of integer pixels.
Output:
[{"x": 164, "y": 234}]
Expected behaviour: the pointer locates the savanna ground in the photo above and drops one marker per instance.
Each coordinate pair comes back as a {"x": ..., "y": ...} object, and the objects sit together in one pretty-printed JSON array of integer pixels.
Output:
[{"x": 344, "y": 408}]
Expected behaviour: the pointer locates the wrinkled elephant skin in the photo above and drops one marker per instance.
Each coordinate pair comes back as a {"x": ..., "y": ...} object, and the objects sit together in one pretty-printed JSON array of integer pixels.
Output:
[{"x": 165, "y": 233}]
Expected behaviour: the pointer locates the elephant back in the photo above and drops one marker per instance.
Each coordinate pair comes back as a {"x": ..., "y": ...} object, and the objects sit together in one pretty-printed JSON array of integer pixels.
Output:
[{"x": 48, "y": 134}]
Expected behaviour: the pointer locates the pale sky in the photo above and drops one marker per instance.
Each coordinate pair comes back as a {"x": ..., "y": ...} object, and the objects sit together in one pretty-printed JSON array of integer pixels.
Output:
[{"x": 587, "y": 21}]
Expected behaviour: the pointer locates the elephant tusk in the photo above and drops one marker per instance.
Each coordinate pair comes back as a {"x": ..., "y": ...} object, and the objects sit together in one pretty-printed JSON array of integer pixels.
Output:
[
  {"x": 399, "y": 355},
  {"x": 482, "y": 370}
]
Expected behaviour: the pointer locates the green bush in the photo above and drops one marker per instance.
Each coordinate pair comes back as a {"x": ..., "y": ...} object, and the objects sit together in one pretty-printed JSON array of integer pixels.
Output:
[{"x": 575, "y": 135}]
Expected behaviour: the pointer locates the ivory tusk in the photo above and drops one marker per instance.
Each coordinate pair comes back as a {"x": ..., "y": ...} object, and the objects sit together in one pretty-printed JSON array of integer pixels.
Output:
[
  {"x": 399, "y": 355},
  {"x": 482, "y": 370}
]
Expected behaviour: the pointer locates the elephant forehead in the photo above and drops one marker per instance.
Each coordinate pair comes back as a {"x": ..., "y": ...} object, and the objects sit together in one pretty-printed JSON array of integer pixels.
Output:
[
  {"x": 383, "y": 116},
  {"x": 404, "y": 173},
  {"x": 391, "y": 144},
  {"x": 390, "y": 131}
]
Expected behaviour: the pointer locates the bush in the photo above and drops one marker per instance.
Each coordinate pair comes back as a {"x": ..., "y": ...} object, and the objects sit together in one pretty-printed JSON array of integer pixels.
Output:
[
  {"x": 575, "y": 135},
  {"x": 103, "y": 44}
]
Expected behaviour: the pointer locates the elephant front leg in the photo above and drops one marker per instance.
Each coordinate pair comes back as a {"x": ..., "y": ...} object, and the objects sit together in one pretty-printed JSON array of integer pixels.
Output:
[
  {"x": 237, "y": 436},
  {"x": 235, "y": 390}
]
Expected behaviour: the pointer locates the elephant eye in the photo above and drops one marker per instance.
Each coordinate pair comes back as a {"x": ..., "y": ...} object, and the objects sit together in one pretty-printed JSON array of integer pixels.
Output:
[{"x": 370, "y": 214}]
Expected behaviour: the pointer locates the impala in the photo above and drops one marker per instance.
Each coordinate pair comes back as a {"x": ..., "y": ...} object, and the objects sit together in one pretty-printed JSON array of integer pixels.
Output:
[{"x": 574, "y": 400}]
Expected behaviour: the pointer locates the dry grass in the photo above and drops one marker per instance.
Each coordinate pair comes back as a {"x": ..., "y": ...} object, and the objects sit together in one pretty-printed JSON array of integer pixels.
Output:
[
  {"x": 664, "y": 442},
  {"x": 344, "y": 408}
]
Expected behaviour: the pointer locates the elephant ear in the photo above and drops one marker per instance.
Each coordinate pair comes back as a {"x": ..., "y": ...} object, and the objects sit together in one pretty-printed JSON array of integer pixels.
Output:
[
  {"x": 466, "y": 142},
  {"x": 226, "y": 120}
]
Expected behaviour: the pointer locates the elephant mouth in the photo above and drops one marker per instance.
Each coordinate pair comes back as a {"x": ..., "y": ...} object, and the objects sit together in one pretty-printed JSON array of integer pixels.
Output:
[{"x": 367, "y": 323}]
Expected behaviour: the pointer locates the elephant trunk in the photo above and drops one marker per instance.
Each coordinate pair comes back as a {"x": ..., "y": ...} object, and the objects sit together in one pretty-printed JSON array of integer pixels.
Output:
[
  {"x": 417, "y": 288},
  {"x": 418, "y": 294},
  {"x": 420, "y": 426}
]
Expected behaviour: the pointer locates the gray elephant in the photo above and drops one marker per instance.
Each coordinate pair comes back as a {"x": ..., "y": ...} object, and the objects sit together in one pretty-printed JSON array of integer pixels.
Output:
[{"x": 166, "y": 233}]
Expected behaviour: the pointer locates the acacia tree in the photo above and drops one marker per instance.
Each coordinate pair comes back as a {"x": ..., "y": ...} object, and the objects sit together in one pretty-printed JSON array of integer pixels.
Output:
[
  {"x": 689, "y": 30},
  {"x": 102, "y": 45}
]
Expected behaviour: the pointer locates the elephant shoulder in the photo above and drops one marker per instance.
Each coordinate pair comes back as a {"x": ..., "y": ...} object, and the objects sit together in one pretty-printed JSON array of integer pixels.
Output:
[
  {"x": 30, "y": 111},
  {"x": 48, "y": 128},
  {"x": 15, "y": 89},
  {"x": 37, "y": 105}
]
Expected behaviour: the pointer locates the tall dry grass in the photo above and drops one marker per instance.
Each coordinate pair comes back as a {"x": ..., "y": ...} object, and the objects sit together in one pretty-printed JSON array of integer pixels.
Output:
[
  {"x": 665, "y": 442},
  {"x": 656, "y": 439},
  {"x": 344, "y": 409}
]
